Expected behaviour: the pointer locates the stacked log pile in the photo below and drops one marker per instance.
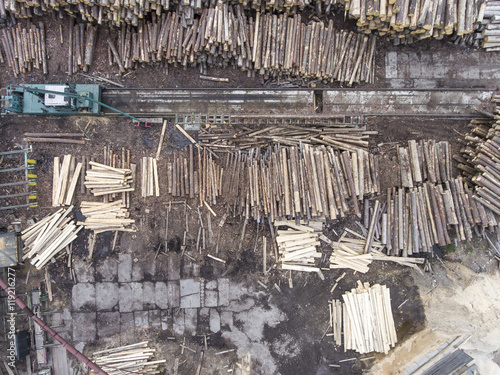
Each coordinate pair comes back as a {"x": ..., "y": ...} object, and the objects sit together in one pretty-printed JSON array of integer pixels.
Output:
[
  {"x": 103, "y": 217},
  {"x": 183, "y": 174},
  {"x": 24, "y": 48},
  {"x": 105, "y": 180},
  {"x": 408, "y": 21},
  {"x": 297, "y": 246},
  {"x": 149, "y": 177},
  {"x": 294, "y": 182},
  {"x": 479, "y": 161},
  {"x": 343, "y": 137},
  {"x": 365, "y": 317},
  {"x": 81, "y": 46},
  {"x": 48, "y": 237},
  {"x": 425, "y": 161},
  {"x": 65, "y": 177},
  {"x": 488, "y": 33},
  {"x": 135, "y": 359}
]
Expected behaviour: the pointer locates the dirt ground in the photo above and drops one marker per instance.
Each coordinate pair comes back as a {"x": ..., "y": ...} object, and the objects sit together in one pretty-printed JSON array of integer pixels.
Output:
[{"x": 297, "y": 345}]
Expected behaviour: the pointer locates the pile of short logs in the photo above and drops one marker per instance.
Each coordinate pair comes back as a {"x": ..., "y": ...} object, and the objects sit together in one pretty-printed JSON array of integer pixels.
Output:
[
  {"x": 424, "y": 161},
  {"x": 64, "y": 179},
  {"x": 408, "y": 21},
  {"x": 128, "y": 359},
  {"x": 270, "y": 45},
  {"x": 479, "y": 162},
  {"x": 48, "y": 237},
  {"x": 343, "y": 137},
  {"x": 149, "y": 177},
  {"x": 488, "y": 33},
  {"x": 365, "y": 318},
  {"x": 81, "y": 45},
  {"x": 297, "y": 246},
  {"x": 102, "y": 217},
  {"x": 296, "y": 182},
  {"x": 24, "y": 48}
]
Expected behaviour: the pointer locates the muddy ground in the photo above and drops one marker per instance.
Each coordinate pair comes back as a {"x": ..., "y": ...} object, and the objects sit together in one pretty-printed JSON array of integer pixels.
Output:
[{"x": 306, "y": 349}]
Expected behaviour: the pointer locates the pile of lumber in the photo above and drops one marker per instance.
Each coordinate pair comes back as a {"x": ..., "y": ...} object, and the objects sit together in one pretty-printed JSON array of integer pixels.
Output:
[
  {"x": 81, "y": 45},
  {"x": 268, "y": 44},
  {"x": 182, "y": 176},
  {"x": 424, "y": 161},
  {"x": 488, "y": 33},
  {"x": 103, "y": 179},
  {"x": 410, "y": 21},
  {"x": 102, "y": 217},
  {"x": 48, "y": 237},
  {"x": 297, "y": 245},
  {"x": 357, "y": 252},
  {"x": 149, "y": 177},
  {"x": 129, "y": 359},
  {"x": 297, "y": 182},
  {"x": 365, "y": 317},
  {"x": 24, "y": 48},
  {"x": 64, "y": 179},
  {"x": 339, "y": 137},
  {"x": 480, "y": 163}
]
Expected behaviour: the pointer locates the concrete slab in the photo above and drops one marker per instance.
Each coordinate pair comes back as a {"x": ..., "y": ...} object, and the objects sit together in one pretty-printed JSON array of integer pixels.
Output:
[
  {"x": 161, "y": 268},
  {"x": 84, "y": 326},
  {"x": 108, "y": 324},
  {"x": 173, "y": 266},
  {"x": 161, "y": 295},
  {"x": 211, "y": 284},
  {"x": 149, "y": 295},
  {"x": 83, "y": 296},
  {"x": 59, "y": 361},
  {"x": 126, "y": 321},
  {"x": 178, "y": 322},
  {"x": 137, "y": 270},
  {"x": 190, "y": 293},
  {"x": 226, "y": 320},
  {"x": 154, "y": 318},
  {"x": 141, "y": 319},
  {"x": 214, "y": 321},
  {"x": 124, "y": 268},
  {"x": 107, "y": 270},
  {"x": 211, "y": 298},
  {"x": 84, "y": 273},
  {"x": 173, "y": 294},
  {"x": 131, "y": 297},
  {"x": 223, "y": 287},
  {"x": 166, "y": 320},
  {"x": 190, "y": 321},
  {"x": 107, "y": 296}
]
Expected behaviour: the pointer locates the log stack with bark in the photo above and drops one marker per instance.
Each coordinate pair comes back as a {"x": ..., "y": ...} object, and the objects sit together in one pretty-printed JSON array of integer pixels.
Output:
[
  {"x": 488, "y": 32},
  {"x": 49, "y": 237}
]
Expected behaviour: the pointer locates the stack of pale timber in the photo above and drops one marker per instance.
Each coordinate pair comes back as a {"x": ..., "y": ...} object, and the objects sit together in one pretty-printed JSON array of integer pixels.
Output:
[
  {"x": 102, "y": 179},
  {"x": 356, "y": 252},
  {"x": 480, "y": 163},
  {"x": 297, "y": 245},
  {"x": 129, "y": 359},
  {"x": 64, "y": 179},
  {"x": 424, "y": 161},
  {"x": 48, "y": 237},
  {"x": 410, "y": 20},
  {"x": 340, "y": 137},
  {"x": 367, "y": 319},
  {"x": 24, "y": 48},
  {"x": 149, "y": 177},
  {"x": 297, "y": 182},
  {"x": 102, "y": 217},
  {"x": 488, "y": 33},
  {"x": 81, "y": 46}
]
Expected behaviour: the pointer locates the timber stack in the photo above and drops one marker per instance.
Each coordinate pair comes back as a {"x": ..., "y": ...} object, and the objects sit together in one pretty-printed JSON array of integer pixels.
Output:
[
  {"x": 149, "y": 177},
  {"x": 49, "y": 237},
  {"x": 81, "y": 46},
  {"x": 479, "y": 162},
  {"x": 103, "y": 217},
  {"x": 64, "y": 180},
  {"x": 134, "y": 358},
  {"x": 365, "y": 318},
  {"x": 24, "y": 48},
  {"x": 488, "y": 32}
]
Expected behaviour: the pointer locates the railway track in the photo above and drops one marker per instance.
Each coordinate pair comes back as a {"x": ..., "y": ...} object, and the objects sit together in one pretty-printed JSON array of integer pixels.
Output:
[{"x": 320, "y": 103}]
